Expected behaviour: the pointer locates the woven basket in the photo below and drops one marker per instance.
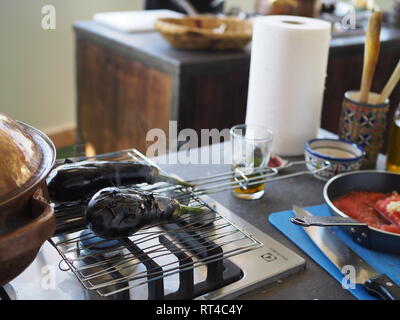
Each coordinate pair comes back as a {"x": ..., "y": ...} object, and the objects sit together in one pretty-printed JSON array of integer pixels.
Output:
[{"x": 206, "y": 33}]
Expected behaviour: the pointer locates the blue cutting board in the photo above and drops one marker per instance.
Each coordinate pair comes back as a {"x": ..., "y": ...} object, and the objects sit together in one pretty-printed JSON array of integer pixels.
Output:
[{"x": 382, "y": 262}]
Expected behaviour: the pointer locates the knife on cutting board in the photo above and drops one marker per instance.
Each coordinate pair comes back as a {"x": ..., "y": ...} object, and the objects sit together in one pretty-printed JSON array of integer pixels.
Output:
[{"x": 376, "y": 284}]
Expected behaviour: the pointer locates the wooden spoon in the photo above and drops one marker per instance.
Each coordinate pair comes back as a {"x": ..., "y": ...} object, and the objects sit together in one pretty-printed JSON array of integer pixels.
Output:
[
  {"x": 187, "y": 6},
  {"x": 393, "y": 80},
  {"x": 371, "y": 54}
]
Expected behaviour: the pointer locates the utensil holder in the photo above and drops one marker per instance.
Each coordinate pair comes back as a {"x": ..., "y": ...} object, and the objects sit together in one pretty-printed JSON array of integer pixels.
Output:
[{"x": 364, "y": 124}]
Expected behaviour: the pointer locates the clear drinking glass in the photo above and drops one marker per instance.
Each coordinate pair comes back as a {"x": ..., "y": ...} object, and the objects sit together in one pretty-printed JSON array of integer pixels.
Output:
[{"x": 251, "y": 148}]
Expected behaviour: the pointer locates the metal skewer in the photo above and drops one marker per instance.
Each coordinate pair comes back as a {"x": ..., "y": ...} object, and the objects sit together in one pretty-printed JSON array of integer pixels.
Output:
[{"x": 207, "y": 185}]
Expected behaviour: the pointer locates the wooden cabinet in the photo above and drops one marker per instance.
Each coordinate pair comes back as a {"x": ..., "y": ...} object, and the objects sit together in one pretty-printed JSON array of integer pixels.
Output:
[{"x": 119, "y": 99}]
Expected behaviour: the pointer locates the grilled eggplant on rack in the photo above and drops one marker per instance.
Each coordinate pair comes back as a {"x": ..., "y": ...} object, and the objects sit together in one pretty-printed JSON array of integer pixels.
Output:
[
  {"x": 120, "y": 212},
  {"x": 77, "y": 182}
]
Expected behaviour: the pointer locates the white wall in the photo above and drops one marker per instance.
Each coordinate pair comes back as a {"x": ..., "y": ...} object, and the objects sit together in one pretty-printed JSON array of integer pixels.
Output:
[{"x": 37, "y": 77}]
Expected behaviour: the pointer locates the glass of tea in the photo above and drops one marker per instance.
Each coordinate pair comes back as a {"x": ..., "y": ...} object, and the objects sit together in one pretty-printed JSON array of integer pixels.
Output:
[{"x": 251, "y": 148}]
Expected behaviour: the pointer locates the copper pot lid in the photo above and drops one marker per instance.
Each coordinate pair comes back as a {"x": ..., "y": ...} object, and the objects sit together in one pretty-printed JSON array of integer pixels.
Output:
[{"x": 26, "y": 157}]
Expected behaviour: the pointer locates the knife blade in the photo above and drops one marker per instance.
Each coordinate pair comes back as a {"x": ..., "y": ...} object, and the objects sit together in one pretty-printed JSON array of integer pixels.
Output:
[{"x": 376, "y": 284}]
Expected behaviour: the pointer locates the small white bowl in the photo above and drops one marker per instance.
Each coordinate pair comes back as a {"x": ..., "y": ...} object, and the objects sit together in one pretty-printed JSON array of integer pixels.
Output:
[{"x": 344, "y": 156}]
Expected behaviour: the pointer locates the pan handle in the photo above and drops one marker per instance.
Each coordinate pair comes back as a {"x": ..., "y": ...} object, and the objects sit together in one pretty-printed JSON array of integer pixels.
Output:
[
  {"x": 45, "y": 220},
  {"x": 360, "y": 231},
  {"x": 318, "y": 221},
  {"x": 31, "y": 235}
]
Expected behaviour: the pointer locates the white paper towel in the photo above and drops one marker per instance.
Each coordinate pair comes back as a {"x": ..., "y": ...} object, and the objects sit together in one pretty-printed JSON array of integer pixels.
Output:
[{"x": 289, "y": 58}]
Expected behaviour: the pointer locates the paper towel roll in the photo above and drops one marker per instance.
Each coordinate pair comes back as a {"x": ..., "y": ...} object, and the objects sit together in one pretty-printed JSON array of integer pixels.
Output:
[{"x": 289, "y": 58}]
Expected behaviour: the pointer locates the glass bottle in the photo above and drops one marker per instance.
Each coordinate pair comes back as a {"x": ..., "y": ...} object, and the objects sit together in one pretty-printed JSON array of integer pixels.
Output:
[{"x": 393, "y": 151}]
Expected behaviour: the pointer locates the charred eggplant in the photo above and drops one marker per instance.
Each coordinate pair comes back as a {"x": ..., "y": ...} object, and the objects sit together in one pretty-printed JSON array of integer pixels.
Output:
[
  {"x": 120, "y": 212},
  {"x": 73, "y": 182}
]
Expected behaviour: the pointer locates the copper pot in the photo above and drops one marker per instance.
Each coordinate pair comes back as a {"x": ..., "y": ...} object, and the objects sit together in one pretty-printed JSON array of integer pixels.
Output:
[{"x": 26, "y": 217}]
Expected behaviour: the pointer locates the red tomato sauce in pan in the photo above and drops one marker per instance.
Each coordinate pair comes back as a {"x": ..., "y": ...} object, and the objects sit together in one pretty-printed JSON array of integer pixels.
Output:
[{"x": 363, "y": 206}]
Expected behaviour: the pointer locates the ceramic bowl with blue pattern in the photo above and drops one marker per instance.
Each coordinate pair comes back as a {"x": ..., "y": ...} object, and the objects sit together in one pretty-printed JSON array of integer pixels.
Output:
[{"x": 343, "y": 156}]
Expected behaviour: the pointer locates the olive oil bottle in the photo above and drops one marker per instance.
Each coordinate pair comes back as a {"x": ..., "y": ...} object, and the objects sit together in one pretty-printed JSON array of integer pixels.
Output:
[{"x": 393, "y": 151}]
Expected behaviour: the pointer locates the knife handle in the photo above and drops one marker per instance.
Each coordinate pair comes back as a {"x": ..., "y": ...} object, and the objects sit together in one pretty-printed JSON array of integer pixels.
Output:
[{"x": 382, "y": 287}]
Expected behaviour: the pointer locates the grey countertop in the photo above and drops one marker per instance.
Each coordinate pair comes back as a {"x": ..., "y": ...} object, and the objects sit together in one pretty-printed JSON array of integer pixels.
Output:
[
  {"x": 312, "y": 283},
  {"x": 305, "y": 190}
]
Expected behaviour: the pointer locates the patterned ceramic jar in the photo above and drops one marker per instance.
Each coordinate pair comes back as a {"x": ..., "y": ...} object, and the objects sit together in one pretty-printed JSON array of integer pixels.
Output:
[
  {"x": 343, "y": 156},
  {"x": 364, "y": 124}
]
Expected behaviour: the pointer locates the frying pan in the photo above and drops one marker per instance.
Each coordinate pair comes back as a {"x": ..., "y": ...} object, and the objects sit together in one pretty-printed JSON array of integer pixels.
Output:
[
  {"x": 363, "y": 234},
  {"x": 367, "y": 180}
]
